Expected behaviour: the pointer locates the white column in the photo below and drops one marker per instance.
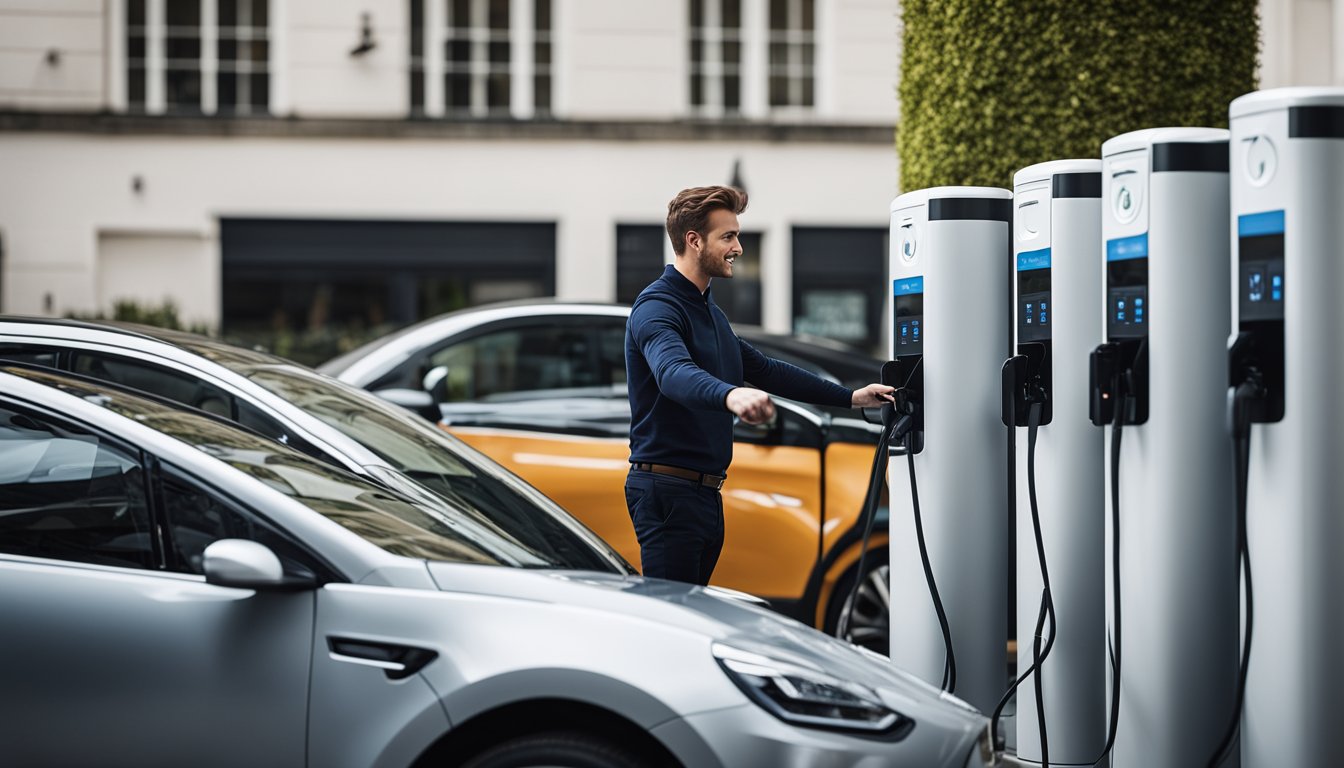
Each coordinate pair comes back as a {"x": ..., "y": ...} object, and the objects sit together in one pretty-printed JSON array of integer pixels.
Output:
[
  {"x": 480, "y": 56},
  {"x": 522, "y": 105},
  {"x": 436, "y": 28},
  {"x": 755, "y": 59},
  {"x": 156, "y": 29},
  {"x": 777, "y": 278},
  {"x": 1337, "y": 42},
  {"x": 1276, "y": 60},
  {"x": 825, "y": 53},
  {"x": 562, "y": 32},
  {"x": 278, "y": 62},
  {"x": 115, "y": 61},
  {"x": 210, "y": 55}
]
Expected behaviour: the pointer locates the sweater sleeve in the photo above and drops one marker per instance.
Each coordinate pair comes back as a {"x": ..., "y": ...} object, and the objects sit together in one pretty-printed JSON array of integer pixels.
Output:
[
  {"x": 657, "y": 331},
  {"x": 780, "y": 378}
]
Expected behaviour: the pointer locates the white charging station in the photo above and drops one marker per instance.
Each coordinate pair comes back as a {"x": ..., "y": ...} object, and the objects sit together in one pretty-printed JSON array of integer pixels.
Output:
[
  {"x": 1167, "y": 316},
  {"x": 1287, "y": 180},
  {"x": 1057, "y": 301},
  {"x": 950, "y": 270}
]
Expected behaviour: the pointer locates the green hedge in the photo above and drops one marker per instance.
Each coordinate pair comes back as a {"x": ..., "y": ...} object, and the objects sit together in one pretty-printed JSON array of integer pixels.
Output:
[{"x": 991, "y": 86}]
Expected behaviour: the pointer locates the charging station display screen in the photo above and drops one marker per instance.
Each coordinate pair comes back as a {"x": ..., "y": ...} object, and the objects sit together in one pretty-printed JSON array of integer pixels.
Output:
[
  {"x": 1261, "y": 281},
  {"x": 1127, "y": 311},
  {"x": 1033, "y": 295},
  {"x": 907, "y": 334}
]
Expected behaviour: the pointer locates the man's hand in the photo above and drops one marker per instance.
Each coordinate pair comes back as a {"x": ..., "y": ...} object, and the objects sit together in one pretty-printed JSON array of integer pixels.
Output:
[
  {"x": 872, "y": 396},
  {"x": 750, "y": 405}
]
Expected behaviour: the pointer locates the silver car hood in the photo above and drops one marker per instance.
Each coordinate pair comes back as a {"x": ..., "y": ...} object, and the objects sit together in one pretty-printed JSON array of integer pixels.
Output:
[{"x": 677, "y": 607}]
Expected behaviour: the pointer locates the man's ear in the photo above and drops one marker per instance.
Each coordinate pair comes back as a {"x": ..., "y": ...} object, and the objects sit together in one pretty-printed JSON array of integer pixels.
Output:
[{"x": 693, "y": 240}]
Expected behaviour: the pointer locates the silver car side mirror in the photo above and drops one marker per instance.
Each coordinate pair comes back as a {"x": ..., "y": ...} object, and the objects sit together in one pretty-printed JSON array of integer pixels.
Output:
[{"x": 242, "y": 563}]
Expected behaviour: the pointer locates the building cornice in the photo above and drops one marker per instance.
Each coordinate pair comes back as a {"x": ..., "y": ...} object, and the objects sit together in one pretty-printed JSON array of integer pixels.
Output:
[{"x": 115, "y": 124}]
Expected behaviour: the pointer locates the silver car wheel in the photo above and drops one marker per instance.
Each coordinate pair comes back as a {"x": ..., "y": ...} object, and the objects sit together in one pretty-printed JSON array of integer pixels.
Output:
[{"x": 869, "y": 625}]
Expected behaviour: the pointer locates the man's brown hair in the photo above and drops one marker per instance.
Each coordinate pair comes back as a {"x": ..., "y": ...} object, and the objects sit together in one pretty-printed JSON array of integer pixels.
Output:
[{"x": 689, "y": 210}]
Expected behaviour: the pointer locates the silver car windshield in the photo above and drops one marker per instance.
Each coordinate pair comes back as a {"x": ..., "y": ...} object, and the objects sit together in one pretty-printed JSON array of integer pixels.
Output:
[
  {"x": 429, "y": 456},
  {"x": 397, "y": 523}
]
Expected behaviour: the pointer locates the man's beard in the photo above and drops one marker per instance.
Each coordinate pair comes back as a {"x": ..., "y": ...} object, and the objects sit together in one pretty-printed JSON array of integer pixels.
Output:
[{"x": 715, "y": 265}]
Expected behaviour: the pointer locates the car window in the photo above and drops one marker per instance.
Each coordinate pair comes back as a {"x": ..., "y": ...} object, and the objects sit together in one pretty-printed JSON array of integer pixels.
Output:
[
  {"x": 519, "y": 359},
  {"x": 399, "y": 524},
  {"x": 31, "y": 355},
  {"x": 196, "y": 518},
  {"x": 611, "y": 352},
  {"x": 68, "y": 495},
  {"x": 155, "y": 379},
  {"x": 189, "y": 390},
  {"x": 427, "y": 455}
]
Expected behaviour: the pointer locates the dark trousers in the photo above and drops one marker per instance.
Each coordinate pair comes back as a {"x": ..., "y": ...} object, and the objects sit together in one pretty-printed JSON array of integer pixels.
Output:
[{"x": 679, "y": 524}]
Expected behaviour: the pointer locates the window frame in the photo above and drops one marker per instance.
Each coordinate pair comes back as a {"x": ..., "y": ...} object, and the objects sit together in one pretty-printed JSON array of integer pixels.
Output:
[
  {"x": 120, "y": 445},
  {"x": 711, "y": 71},
  {"x": 141, "y": 82},
  {"x": 589, "y": 324},
  {"x": 166, "y": 472}
]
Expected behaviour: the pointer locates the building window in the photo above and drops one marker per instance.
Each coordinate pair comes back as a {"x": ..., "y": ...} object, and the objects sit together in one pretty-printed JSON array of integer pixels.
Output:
[
  {"x": 841, "y": 299},
  {"x": 136, "y": 58},
  {"x": 182, "y": 56},
  {"x": 481, "y": 58},
  {"x": 190, "y": 56},
  {"x": 244, "y": 50},
  {"x": 792, "y": 53},
  {"x": 716, "y": 56},
  {"x": 541, "y": 57},
  {"x": 476, "y": 57},
  {"x": 417, "y": 57},
  {"x": 639, "y": 258},
  {"x": 740, "y": 296}
]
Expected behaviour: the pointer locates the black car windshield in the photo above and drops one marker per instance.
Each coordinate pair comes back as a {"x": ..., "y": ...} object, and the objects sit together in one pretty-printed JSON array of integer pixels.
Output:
[
  {"x": 398, "y": 523},
  {"x": 431, "y": 458}
]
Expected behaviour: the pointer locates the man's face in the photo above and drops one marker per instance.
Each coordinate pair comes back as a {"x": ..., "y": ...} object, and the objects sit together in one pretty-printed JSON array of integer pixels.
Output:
[{"x": 719, "y": 246}]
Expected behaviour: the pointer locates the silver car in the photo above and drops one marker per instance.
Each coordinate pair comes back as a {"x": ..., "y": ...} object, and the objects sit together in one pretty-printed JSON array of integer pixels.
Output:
[
  {"x": 178, "y": 591},
  {"x": 314, "y": 414}
]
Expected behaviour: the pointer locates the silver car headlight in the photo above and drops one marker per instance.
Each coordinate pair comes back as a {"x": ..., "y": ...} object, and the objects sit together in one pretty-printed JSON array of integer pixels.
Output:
[{"x": 808, "y": 697}]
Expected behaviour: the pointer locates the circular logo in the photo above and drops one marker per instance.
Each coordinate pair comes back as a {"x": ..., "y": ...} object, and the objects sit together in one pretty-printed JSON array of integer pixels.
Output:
[
  {"x": 908, "y": 242},
  {"x": 1125, "y": 200},
  {"x": 1261, "y": 160}
]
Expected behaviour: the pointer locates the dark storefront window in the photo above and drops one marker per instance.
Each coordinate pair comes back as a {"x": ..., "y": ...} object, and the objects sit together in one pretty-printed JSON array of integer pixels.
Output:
[
  {"x": 839, "y": 284},
  {"x": 639, "y": 258},
  {"x": 310, "y": 290}
]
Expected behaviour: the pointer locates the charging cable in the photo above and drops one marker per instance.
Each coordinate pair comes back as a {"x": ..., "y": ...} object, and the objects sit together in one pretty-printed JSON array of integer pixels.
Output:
[
  {"x": 898, "y": 421},
  {"x": 876, "y": 476},
  {"x": 1239, "y": 399},
  {"x": 1121, "y": 407},
  {"x": 1037, "y": 396}
]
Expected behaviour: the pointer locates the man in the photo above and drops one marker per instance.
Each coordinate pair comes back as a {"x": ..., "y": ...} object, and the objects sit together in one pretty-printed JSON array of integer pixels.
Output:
[{"x": 685, "y": 370}]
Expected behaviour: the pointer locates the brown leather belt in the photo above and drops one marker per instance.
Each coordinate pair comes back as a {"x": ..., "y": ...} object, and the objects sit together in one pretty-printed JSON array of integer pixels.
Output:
[{"x": 707, "y": 480}]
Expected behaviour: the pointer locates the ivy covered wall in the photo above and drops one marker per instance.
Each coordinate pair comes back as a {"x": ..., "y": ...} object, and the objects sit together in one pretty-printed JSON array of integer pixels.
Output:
[{"x": 991, "y": 86}]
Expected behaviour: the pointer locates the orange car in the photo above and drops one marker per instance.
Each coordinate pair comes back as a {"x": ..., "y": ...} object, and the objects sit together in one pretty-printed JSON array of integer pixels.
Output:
[
  {"x": 540, "y": 388},
  {"x": 792, "y": 501}
]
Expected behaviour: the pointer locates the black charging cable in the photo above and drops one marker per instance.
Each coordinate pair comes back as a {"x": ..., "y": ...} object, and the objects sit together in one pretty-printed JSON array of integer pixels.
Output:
[
  {"x": 1047, "y": 609},
  {"x": 898, "y": 420},
  {"x": 1121, "y": 406},
  {"x": 1252, "y": 388},
  {"x": 876, "y": 476},
  {"x": 949, "y": 659}
]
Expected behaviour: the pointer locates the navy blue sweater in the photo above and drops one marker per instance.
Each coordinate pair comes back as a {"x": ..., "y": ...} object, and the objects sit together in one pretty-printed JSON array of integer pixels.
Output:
[{"x": 681, "y": 361}]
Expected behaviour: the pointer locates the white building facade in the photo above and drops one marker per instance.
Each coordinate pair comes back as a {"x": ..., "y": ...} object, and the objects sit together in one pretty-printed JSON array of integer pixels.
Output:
[
  {"x": 297, "y": 165},
  {"x": 269, "y": 163}
]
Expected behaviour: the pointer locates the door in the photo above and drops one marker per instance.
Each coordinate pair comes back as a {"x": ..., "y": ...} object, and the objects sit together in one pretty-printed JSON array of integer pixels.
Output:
[{"x": 114, "y": 651}]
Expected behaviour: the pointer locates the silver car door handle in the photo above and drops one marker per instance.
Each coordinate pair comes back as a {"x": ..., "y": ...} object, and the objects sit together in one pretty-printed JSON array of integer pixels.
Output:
[{"x": 396, "y": 661}]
